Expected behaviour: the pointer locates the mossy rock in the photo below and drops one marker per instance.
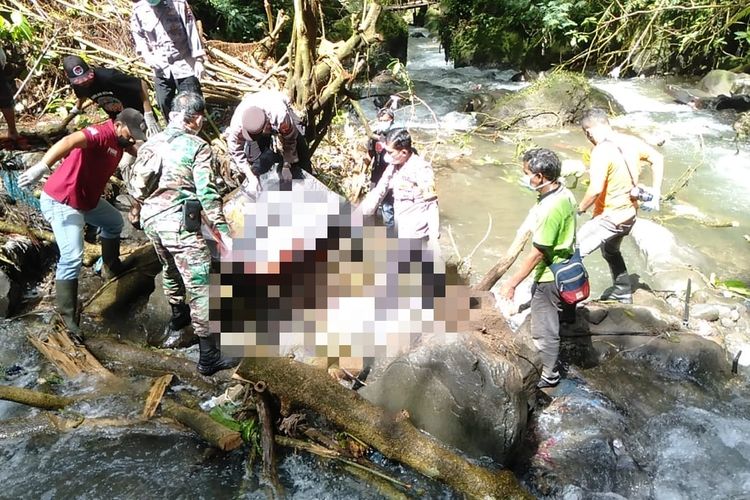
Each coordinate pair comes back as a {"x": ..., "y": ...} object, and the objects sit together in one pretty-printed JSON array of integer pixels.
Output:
[{"x": 554, "y": 101}]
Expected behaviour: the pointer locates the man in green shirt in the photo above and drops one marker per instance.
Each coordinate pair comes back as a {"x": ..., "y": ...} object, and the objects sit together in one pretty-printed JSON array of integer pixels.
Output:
[{"x": 553, "y": 241}]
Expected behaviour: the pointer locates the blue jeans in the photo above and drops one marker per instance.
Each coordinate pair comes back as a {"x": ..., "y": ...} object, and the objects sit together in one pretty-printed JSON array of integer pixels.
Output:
[{"x": 67, "y": 224}]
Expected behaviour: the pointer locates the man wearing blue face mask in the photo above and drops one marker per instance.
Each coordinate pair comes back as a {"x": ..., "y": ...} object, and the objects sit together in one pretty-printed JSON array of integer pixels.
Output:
[
  {"x": 553, "y": 240},
  {"x": 376, "y": 151}
]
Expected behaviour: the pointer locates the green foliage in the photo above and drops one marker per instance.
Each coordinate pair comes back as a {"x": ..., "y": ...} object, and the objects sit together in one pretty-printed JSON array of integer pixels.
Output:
[
  {"x": 644, "y": 35},
  {"x": 248, "y": 428},
  {"x": 16, "y": 29},
  {"x": 235, "y": 20}
]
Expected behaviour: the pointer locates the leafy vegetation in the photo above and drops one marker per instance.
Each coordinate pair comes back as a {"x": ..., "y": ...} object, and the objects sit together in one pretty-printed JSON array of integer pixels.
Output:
[{"x": 633, "y": 35}]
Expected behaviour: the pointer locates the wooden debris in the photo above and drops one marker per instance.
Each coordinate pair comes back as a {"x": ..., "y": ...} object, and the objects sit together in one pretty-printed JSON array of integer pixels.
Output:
[
  {"x": 69, "y": 358},
  {"x": 210, "y": 430},
  {"x": 34, "y": 398},
  {"x": 155, "y": 394}
]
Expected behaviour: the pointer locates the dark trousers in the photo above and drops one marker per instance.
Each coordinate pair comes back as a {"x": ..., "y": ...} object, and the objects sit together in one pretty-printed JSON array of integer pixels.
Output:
[
  {"x": 167, "y": 88},
  {"x": 262, "y": 156}
]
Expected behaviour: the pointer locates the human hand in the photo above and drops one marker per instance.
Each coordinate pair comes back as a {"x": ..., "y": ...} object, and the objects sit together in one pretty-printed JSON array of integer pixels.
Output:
[
  {"x": 32, "y": 175},
  {"x": 75, "y": 110},
  {"x": 199, "y": 68},
  {"x": 152, "y": 126},
  {"x": 506, "y": 291}
]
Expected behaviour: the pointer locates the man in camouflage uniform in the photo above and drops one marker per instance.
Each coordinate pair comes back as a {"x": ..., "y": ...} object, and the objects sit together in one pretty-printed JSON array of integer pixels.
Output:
[{"x": 185, "y": 175}]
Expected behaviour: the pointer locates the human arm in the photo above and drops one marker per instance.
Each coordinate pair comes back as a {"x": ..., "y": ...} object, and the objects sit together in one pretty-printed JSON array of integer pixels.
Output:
[
  {"x": 597, "y": 178},
  {"x": 236, "y": 144},
  {"x": 529, "y": 262},
  {"x": 58, "y": 151},
  {"x": 205, "y": 188},
  {"x": 373, "y": 199},
  {"x": 656, "y": 160}
]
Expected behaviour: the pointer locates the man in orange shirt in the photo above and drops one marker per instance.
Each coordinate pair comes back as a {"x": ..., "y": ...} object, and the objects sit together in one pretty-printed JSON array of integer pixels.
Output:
[{"x": 614, "y": 192}]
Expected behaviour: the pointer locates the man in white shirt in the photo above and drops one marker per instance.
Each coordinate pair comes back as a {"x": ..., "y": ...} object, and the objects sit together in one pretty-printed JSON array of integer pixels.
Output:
[{"x": 167, "y": 38}]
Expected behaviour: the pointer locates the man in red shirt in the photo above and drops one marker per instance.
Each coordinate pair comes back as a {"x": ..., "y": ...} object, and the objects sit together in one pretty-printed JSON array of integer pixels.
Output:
[{"x": 71, "y": 197}]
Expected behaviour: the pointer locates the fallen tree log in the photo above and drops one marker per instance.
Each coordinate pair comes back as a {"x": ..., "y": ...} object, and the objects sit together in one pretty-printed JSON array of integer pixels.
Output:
[
  {"x": 129, "y": 358},
  {"x": 142, "y": 267},
  {"x": 49, "y": 423},
  {"x": 523, "y": 234},
  {"x": 34, "y": 398},
  {"x": 71, "y": 359},
  {"x": 300, "y": 385},
  {"x": 213, "y": 432}
]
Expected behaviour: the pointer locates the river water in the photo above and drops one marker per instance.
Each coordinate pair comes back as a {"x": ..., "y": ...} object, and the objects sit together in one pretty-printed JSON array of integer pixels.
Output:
[{"x": 623, "y": 429}]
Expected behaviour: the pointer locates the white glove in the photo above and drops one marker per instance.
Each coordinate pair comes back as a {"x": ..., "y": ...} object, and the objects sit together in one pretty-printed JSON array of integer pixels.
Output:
[
  {"x": 152, "y": 126},
  {"x": 32, "y": 175},
  {"x": 3, "y": 59},
  {"x": 199, "y": 68},
  {"x": 652, "y": 205},
  {"x": 74, "y": 111}
]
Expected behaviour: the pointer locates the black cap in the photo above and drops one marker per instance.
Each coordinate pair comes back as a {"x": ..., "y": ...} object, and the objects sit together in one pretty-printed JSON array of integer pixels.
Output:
[
  {"x": 134, "y": 121},
  {"x": 77, "y": 71}
]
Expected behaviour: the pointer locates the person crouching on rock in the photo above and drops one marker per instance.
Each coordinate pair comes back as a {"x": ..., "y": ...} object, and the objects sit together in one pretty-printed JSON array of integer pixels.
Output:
[
  {"x": 185, "y": 194},
  {"x": 553, "y": 241},
  {"x": 71, "y": 197}
]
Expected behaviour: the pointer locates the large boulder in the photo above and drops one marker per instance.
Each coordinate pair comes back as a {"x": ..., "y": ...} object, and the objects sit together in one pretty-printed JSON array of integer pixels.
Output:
[
  {"x": 472, "y": 393},
  {"x": 557, "y": 100},
  {"x": 722, "y": 82}
]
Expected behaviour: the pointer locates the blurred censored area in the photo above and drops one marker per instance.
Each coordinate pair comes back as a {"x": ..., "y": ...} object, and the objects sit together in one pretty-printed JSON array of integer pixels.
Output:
[{"x": 310, "y": 277}]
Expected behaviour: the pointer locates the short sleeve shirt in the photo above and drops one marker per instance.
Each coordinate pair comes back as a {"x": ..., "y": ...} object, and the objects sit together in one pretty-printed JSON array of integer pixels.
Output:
[
  {"x": 80, "y": 179},
  {"x": 555, "y": 232},
  {"x": 113, "y": 91}
]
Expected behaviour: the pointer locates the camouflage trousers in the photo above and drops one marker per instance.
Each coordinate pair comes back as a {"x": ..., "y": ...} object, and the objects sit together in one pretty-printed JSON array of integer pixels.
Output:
[{"x": 186, "y": 262}]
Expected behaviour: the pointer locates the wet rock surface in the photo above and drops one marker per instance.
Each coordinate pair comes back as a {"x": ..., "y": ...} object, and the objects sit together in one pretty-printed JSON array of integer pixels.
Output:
[
  {"x": 554, "y": 101},
  {"x": 465, "y": 394}
]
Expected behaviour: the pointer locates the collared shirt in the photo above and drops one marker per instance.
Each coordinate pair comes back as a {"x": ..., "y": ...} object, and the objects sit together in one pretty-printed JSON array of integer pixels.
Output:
[
  {"x": 615, "y": 155},
  {"x": 555, "y": 230},
  {"x": 166, "y": 36},
  {"x": 80, "y": 179},
  {"x": 277, "y": 109},
  {"x": 415, "y": 204},
  {"x": 186, "y": 173}
]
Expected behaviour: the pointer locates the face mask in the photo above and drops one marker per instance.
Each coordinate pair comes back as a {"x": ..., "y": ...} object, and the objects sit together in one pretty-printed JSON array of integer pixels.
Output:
[
  {"x": 381, "y": 127},
  {"x": 388, "y": 158},
  {"x": 526, "y": 182},
  {"x": 124, "y": 142}
]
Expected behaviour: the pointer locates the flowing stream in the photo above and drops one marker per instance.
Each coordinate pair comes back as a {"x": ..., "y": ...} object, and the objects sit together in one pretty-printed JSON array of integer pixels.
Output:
[
  {"x": 623, "y": 429},
  {"x": 626, "y": 428}
]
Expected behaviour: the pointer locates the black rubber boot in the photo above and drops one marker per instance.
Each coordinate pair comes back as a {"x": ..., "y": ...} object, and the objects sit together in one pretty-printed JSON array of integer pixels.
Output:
[
  {"x": 111, "y": 264},
  {"x": 66, "y": 296},
  {"x": 621, "y": 291},
  {"x": 180, "y": 316},
  {"x": 210, "y": 360}
]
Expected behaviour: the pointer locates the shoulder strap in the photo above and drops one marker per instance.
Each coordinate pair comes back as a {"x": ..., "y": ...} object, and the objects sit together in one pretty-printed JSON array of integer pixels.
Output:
[{"x": 625, "y": 159}]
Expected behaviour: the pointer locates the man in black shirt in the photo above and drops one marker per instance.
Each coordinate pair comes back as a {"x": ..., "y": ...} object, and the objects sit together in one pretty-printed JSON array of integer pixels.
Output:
[{"x": 111, "y": 89}]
